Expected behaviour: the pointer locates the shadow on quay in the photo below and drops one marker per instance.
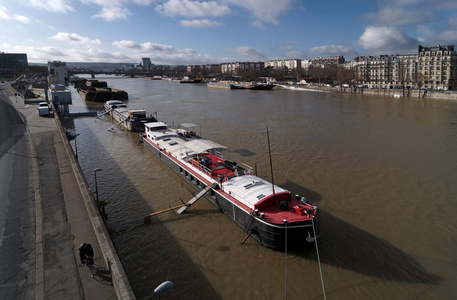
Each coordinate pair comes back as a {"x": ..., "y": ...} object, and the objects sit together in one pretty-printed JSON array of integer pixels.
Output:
[
  {"x": 12, "y": 125},
  {"x": 348, "y": 247}
]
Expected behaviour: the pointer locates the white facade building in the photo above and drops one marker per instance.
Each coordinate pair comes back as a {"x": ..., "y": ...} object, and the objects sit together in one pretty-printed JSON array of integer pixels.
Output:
[
  {"x": 57, "y": 72},
  {"x": 284, "y": 63}
]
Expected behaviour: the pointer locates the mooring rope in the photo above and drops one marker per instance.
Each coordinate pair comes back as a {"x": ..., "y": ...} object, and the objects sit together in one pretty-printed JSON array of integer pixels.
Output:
[
  {"x": 285, "y": 258},
  {"x": 318, "y": 258}
]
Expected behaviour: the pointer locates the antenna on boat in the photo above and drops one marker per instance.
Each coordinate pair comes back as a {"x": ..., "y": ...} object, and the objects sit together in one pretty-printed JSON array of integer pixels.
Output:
[{"x": 271, "y": 164}]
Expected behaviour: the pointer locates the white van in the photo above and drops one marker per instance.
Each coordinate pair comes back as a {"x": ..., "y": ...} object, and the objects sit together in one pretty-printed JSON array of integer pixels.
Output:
[{"x": 43, "y": 109}]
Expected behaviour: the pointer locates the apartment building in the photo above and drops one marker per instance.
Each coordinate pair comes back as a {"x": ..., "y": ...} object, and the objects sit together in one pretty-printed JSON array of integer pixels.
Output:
[
  {"x": 284, "y": 63},
  {"x": 437, "y": 67},
  {"x": 331, "y": 60},
  {"x": 432, "y": 68},
  {"x": 210, "y": 69},
  {"x": 235, "y": 68}
]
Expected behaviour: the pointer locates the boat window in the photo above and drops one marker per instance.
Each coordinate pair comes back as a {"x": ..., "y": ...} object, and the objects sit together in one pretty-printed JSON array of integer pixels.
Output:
[
  {"x": 254, "y": 183},
  {"x": 166, "y": 139},
  {"x": 173, "y": 143},
  {"x": 260, "y": 196}
]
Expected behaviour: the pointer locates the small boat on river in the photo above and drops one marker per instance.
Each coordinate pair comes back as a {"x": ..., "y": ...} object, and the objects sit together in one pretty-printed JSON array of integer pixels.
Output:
[
  {"x": 131, "y": 119},
  {"x": 272, "y": 215}
]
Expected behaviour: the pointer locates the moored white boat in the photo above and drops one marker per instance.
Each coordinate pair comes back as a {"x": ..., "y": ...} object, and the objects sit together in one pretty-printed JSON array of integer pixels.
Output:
[
  {"x": 272, "y": 215},
  {"x": 131, "y": 119}
]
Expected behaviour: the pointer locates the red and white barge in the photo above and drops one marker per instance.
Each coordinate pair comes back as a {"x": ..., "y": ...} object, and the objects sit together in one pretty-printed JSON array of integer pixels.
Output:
[{"x": 272, "y": 215}]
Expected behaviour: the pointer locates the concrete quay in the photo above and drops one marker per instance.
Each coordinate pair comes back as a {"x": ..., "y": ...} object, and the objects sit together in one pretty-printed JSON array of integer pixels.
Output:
[{"x": 56, "y": 212}]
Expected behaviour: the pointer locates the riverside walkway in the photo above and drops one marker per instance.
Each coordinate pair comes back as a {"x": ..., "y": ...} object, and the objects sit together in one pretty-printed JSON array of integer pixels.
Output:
[{"x": 48, "y": 215}]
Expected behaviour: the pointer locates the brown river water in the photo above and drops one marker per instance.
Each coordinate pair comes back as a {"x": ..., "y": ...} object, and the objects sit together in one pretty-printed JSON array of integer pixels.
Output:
[{"x": 381, "y": 170}]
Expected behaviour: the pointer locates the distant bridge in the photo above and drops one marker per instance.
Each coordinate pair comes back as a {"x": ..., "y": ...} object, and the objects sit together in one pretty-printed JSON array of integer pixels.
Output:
[{"x": 120, "y": 73}]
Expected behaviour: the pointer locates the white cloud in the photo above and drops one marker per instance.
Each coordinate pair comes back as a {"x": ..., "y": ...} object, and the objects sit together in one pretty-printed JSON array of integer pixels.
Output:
[
  {"x": 333, "y": 50},
  {"x": 163, "y": 54},
  {"x": 126, "y": 44},
  {"x": 205, "y": 23},
  {"x": 144, "y": 47},
  {"x": 157, "y": 47},
  {"x": 118, "y": 3},
  {"x": 187, "y": 8},
  {"x": 250, "y": 53},
  {"x": 395, "y": 16},
  {"x": 258, "y": 24},
  {"x": 74, "y": 38},
  {"x": 35, "y": 54},
  {"x": 18, "y": 18},
  {"x": 60, "y": 6},
  {"x": 410, "y": 12},
  {"x": 267, "y": 11},
  {"x": 112, "y": 13},
  {"x": 449, "y": 36},
  {"x": 113, "y": 10},
  {"x": 291, "y": 52},
  {"x": 378, "y": 38}
]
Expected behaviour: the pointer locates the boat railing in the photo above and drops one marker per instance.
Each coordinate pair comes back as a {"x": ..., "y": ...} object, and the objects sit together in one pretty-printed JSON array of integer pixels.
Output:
[
  {"x": 248, "y": 170},
  {"x": 200, "y": 166},
  {"x": 219, "y": 155}
]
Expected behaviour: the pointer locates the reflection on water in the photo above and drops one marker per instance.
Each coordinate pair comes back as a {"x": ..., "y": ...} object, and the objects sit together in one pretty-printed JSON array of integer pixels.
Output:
[{"x": 380, "y": 169}]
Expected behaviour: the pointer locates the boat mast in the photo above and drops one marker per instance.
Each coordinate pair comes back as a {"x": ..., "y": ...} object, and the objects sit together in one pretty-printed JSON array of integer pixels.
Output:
[{"x": 271, "y": 164}]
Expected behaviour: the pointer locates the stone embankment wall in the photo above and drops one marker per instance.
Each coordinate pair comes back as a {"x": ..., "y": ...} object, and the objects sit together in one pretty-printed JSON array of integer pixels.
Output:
[{"x": 449, "y": 95}]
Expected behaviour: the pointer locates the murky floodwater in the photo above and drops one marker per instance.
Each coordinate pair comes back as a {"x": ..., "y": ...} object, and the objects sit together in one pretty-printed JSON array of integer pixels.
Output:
[{"x": 382, "y": 171}]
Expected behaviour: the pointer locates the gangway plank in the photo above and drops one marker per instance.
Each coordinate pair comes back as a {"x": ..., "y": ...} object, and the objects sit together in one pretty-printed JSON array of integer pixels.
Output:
[
  {"x": 117, "y": 124},
  {"x": 194, "y": 199}
]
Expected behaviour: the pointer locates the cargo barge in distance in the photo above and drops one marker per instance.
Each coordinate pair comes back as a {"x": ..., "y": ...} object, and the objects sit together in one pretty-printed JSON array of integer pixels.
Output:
[
  {"x": 272, "y": 215},
  {"x": 98, "y": 94},
  {"x": 131, "y": 119},
  {"x": 98, "y": 91}
]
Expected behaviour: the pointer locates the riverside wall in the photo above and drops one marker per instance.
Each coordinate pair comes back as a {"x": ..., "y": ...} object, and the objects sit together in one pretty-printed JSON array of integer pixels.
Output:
[
  {"x": 120, "y": 281},
  {"x": 444, "y": 95}
]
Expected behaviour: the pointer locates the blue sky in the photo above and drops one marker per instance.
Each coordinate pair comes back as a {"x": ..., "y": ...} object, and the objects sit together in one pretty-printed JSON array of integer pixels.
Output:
[{"x": 205, "y": 32}]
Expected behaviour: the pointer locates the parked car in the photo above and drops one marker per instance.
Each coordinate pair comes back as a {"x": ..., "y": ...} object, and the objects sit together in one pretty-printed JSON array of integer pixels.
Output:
[{"x": 43, "y": 109}]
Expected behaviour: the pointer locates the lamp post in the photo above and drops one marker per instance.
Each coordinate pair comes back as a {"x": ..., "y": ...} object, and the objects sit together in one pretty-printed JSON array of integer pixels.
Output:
[{"x": 96, "y": 186}]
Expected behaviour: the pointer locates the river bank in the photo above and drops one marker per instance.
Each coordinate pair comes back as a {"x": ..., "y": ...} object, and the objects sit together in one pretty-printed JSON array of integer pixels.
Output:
[{"x": 443, "y": 95}]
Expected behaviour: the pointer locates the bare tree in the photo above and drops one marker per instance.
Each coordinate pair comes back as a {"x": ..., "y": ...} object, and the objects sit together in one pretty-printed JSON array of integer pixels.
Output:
[
  {"x": 345, "y": 75},
  {"x": 317, "y": 72}
]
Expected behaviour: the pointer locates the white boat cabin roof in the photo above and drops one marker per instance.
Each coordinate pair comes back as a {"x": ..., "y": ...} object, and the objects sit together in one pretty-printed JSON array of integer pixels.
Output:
[
  {"x": 160, "y": 131},
  {"x": 199, "y": 145},
  {"x": 250, "y": 190},
  {"x": 156, "y": 125},
  {"x": 115, "y": 103}
]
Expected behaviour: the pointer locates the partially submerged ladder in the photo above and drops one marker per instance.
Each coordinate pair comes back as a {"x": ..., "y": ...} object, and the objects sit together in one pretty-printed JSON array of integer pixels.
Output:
[
  {"x": 106, "y": 112},
  {"x": 182, "y": 207},
  {"x": 117, "y": 124},
  {"x": 194, "y": 199}
]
